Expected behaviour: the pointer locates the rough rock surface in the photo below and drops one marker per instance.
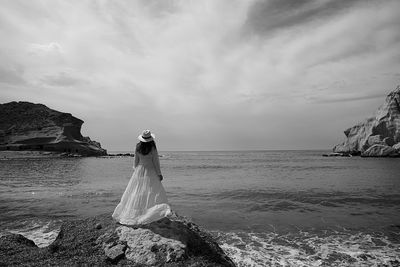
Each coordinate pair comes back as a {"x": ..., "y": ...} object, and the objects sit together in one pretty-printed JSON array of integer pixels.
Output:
[
  {"x": 28, "y": 126},
  {"x": 372, "y": 137},
  {"x": 167, "y": 242},
  {"x": 396, "y": 147},
  {"x": 379, "y": 151},
  {"x": 146, "y": 247},
  {"x": 115, "y": 253}
]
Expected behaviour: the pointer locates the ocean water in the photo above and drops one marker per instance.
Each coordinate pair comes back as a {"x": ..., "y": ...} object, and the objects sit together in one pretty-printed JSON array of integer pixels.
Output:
[{"x": 279, "y": 208}]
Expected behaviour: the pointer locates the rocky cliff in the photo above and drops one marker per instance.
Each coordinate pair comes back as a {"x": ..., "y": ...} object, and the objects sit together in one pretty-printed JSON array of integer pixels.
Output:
[
  {"x": 28, "y": 126},
  {"x": 99, "y": 241},
  {"x": 377, "y": 136}
]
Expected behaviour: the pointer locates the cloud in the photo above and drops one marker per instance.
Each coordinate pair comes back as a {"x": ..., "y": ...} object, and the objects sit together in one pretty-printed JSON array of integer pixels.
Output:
[
  {"x": 62, "y": 79},
  {"x": 338, "y": 99},
  {"x": 250, "y": 72},
  {"x": 12, "y": 76},
  {"x": 52, "y": 47},
  {"x": 266, "y": 17}
]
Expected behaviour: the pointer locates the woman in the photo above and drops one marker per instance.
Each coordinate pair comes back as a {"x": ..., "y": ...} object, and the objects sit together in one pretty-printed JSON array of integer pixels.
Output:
[{"x": 144, "y": 199}]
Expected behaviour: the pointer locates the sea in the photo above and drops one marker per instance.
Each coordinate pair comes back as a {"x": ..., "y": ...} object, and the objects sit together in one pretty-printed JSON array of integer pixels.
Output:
[{"x": 264, "y": 208}]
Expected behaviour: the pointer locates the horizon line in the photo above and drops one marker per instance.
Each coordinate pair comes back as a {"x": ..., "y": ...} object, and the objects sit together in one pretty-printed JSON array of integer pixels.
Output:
[{"x": 234, "y": 150}]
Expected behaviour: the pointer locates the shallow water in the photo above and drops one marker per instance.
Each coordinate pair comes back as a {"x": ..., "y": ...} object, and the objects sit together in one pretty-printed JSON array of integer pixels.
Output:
[{"x": 286, "y": 208}]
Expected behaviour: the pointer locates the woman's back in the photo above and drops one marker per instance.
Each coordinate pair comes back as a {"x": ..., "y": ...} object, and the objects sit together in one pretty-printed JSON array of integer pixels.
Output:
[
  {"x": 144, "y": 199},
  {"x": 145, "y": 160},
  {"x": 148, "y": 161}
]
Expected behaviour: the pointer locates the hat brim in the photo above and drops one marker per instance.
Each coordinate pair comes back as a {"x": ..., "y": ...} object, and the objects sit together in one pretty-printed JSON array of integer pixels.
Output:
[{"x": 140, "y": 137}]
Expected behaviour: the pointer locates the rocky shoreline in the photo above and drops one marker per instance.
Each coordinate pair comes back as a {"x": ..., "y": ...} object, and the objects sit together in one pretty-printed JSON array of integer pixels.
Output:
[
  {"x": 377, "y": 136},
  {"x": 99, "y": 241}
]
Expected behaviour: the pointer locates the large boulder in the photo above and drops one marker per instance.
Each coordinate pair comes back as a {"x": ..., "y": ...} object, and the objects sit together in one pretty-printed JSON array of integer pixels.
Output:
[
  {"x": 382, "y": 129},
  {"x": 99, "y": 241},
  {"x": 380, "y": 151},
  {"x": 28, "y": 126},
  {"x": 142, "y": 246}
]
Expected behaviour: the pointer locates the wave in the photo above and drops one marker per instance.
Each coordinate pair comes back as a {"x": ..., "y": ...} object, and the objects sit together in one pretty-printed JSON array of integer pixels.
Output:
[
  {"x": 309, "y": 249},
  {"x": 206, "y": 167},
  {"x": 265, "y": 198}
]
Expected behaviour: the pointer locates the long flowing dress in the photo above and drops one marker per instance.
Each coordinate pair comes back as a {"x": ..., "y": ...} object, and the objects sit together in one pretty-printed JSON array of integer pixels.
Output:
[{"x": 144, "y": 199}]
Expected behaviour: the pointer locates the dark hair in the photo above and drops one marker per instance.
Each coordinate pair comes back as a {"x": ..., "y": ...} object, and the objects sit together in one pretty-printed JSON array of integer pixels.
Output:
[{"x": 144, "y": 148}]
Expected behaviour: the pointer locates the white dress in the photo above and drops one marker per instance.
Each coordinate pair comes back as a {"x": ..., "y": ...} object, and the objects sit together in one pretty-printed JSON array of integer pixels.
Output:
[{"x": 144, "y": 199}]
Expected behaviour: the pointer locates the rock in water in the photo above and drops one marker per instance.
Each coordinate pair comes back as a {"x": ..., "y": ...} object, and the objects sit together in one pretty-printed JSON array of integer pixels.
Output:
[
  {"x": 374, "y": 136},
  {"x": 28, "y": 126}
]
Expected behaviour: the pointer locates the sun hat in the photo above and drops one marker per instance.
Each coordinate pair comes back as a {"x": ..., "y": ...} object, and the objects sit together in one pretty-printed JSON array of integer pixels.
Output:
[{"x": 146, "y": 136}]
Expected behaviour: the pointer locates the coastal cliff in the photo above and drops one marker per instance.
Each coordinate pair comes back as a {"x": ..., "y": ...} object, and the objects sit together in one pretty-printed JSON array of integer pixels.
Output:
[
  {"x": 29, "y": 126},
  {"x": 99, "y": 241},
  {"x": 377, "y": 136}
]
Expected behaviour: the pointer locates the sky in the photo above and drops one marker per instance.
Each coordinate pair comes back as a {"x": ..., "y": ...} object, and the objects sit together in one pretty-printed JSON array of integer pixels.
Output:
[{"x": 203, "y": 74}]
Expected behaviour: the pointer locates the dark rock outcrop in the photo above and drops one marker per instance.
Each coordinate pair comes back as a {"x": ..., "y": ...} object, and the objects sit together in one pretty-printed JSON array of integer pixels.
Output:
[
  {"x": 378, "y": 150},
  {"x": 377, "y": 136},
  {"x": 167, "y": 242},
  {"x": 28, "y": 126}
]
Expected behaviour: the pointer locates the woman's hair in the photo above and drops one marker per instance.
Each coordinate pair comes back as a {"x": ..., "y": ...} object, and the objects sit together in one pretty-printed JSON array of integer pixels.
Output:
[{"x": 144, "y": 148}]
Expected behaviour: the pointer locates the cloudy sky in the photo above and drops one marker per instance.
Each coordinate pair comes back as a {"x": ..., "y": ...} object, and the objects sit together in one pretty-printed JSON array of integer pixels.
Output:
[{"x": 203, "y": 75}]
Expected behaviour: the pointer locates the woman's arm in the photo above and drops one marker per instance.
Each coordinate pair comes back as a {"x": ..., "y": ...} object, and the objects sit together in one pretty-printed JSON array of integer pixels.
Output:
[
  {"x": 136, "y": 161},
  {"x": 156, "y": 162}
]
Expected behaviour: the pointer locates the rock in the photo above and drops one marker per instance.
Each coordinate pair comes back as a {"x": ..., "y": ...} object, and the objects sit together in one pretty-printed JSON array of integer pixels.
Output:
[
  {"x": 396, "y": 147},
  {"x": 115, "y": 253},
  {"x": 382, "y": 129},
  {"x": 98, "y": 226},
  {"x": 168, "y": 242},
  {"x": 336, "y": 155},
  {"x": 17, "y": 239},
  {"x": 388, "y": 141},
  {"x": 380, "y": 151},
  {"x": 28, "y": 126},
  {"x": 375, "y": 140},
  {"x": 165, "y": 241},
  {"x": 16, "y": 244},
  {"x": 121, "y": 155},
  {"x": 149, "y": 248}
]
